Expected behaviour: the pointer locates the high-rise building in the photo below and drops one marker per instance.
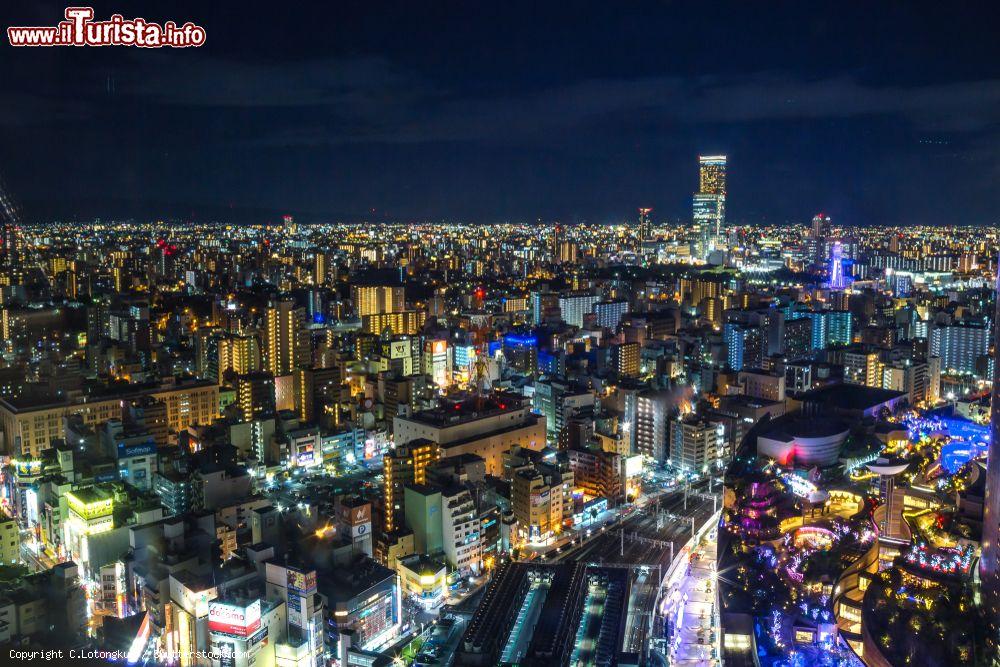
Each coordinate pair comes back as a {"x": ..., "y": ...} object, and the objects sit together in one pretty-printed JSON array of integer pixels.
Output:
[
  {"x": 574, "y": 305},
  {"x": 286, "y": 345},
  {"x": 544, "y": 306},
  {"x": 960, "y": 346},
  {"x": 863, "y": 366},
  {"x": 541, "y": 498},
  {"x": 401, "y": 323},
  {"x": 255, "y": 396},
  {"x": 695, "y": 290},
  {"x": 625, "y": 359},
  {"x": 422, "y": 513},
  {"x": 920, "y": 380},
  {"x": 238, "y": 354},
  {"x": 831, "y": 327},
  {"x": 407, "y": 464},
  {"x": 610, "y": 313},
  {"x": 709, "y": 210},
  {"x": 436, "y": 362},
  {"x": 377, "y": 299},
  {"x": 568, "y": 251},
  {"x": 645, "y": 224},
  {"x": 598, "y": 473},
  {"x": 321, "y": 268},
  {"x": 818, "y": 232},
  {"x": 712, "y": 174},
  {"x": 651, "y": 417},
  {"x": 797, "y": 337},
  {"x": 318, "y": 390},
  {"x": 709, "y": 203},
  {"x": 10, "y": 245},
  {"x": 696, "y": 444},
  {"x": 461, "y": 531},
  {"x": 558, "y": 401},
  {"x": 989, "y": 562},
  {"x": 745, "y": 345}
]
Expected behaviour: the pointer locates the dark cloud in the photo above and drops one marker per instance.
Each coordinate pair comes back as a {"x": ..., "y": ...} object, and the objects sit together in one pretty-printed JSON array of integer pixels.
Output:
[
  {"x": 358, "y": 84},
  {"x": 372, "y": 100}
]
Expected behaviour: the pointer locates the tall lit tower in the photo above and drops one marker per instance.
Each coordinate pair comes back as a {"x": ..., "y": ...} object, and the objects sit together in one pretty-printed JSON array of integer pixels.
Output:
[
  {"x": 645, "y": 224},
  {"x": 712, "y": 174},
  {"x": 837, "y": 281},
  {"x": 10, "y": 237},
  {"x": 817, "y": 236},
  {"x": 286, "y": 345},
  {"x": 989, "y": 562},
  {"x": 709, "y": 203}
]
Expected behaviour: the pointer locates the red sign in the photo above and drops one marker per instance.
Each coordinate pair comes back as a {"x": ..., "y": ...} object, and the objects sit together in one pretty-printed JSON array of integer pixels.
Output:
[{"x": 233, "y": 619}]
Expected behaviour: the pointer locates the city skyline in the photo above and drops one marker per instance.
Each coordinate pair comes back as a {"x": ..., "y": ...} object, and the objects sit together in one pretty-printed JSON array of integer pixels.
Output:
[{"x": 526, "y": 335}]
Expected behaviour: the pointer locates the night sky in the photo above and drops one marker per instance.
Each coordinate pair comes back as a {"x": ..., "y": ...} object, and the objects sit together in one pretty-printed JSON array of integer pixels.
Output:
[{"x": 493, "y": 111}]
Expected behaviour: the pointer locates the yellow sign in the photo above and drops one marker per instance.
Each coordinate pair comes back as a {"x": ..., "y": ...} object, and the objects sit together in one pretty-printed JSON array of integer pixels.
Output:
[{"x": 92, "y": 509}]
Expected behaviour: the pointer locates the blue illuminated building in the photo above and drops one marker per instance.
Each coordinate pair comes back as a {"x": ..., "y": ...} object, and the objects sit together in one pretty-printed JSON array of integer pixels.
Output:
[
  {"x": 520, "y": 340},
  {"x": 831, "y": 327},
  {"x": 744, "y": 345}
]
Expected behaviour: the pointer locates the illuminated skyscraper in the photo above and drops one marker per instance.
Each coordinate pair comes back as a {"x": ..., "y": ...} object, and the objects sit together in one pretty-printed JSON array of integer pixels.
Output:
[
  {"x": 837, "y": 281},
  {"x": 255, "y": 396},
  {"x": 568, "y": 251},
  {"x": 712, "y": 172},
  {"x": 237, "y": 354},
  {"x": 831, "y": 327},
  {"x": 10, "y": 237},
  {"x": 377, "y": 299},
  {"x": 709, "y": 211},
  {"x": 321, "y": 268},
  {"x": 989, "y": 563},
  {"x": 286, "y": 345},
  {"x": 709, "y": 203},
  {"x": 817, "y": 237},
  {"x": 406, "y": 465},
  {"x": 574, "y": 305},
  {"x": 645, "y": 224}
]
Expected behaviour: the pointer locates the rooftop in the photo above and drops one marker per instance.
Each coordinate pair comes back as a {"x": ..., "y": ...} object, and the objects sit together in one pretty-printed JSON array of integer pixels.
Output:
[
  {"x": 849, "y": 397},
  {"x": 469, "y": 408}
]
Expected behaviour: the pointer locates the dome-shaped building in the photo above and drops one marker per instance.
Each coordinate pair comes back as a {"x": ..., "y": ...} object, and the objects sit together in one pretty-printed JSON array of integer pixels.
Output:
[{"x": 802, "y": 440}]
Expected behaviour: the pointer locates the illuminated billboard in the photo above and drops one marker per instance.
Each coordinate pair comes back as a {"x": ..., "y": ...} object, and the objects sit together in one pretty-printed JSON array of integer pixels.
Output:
[
  {"x": 90, "y": 508},
  {"x": 633, "y": 466},
  {"x": 301, "y": 582},
  {"x": 27, "y": 468},
  {"x": 234, "y": 619}
]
